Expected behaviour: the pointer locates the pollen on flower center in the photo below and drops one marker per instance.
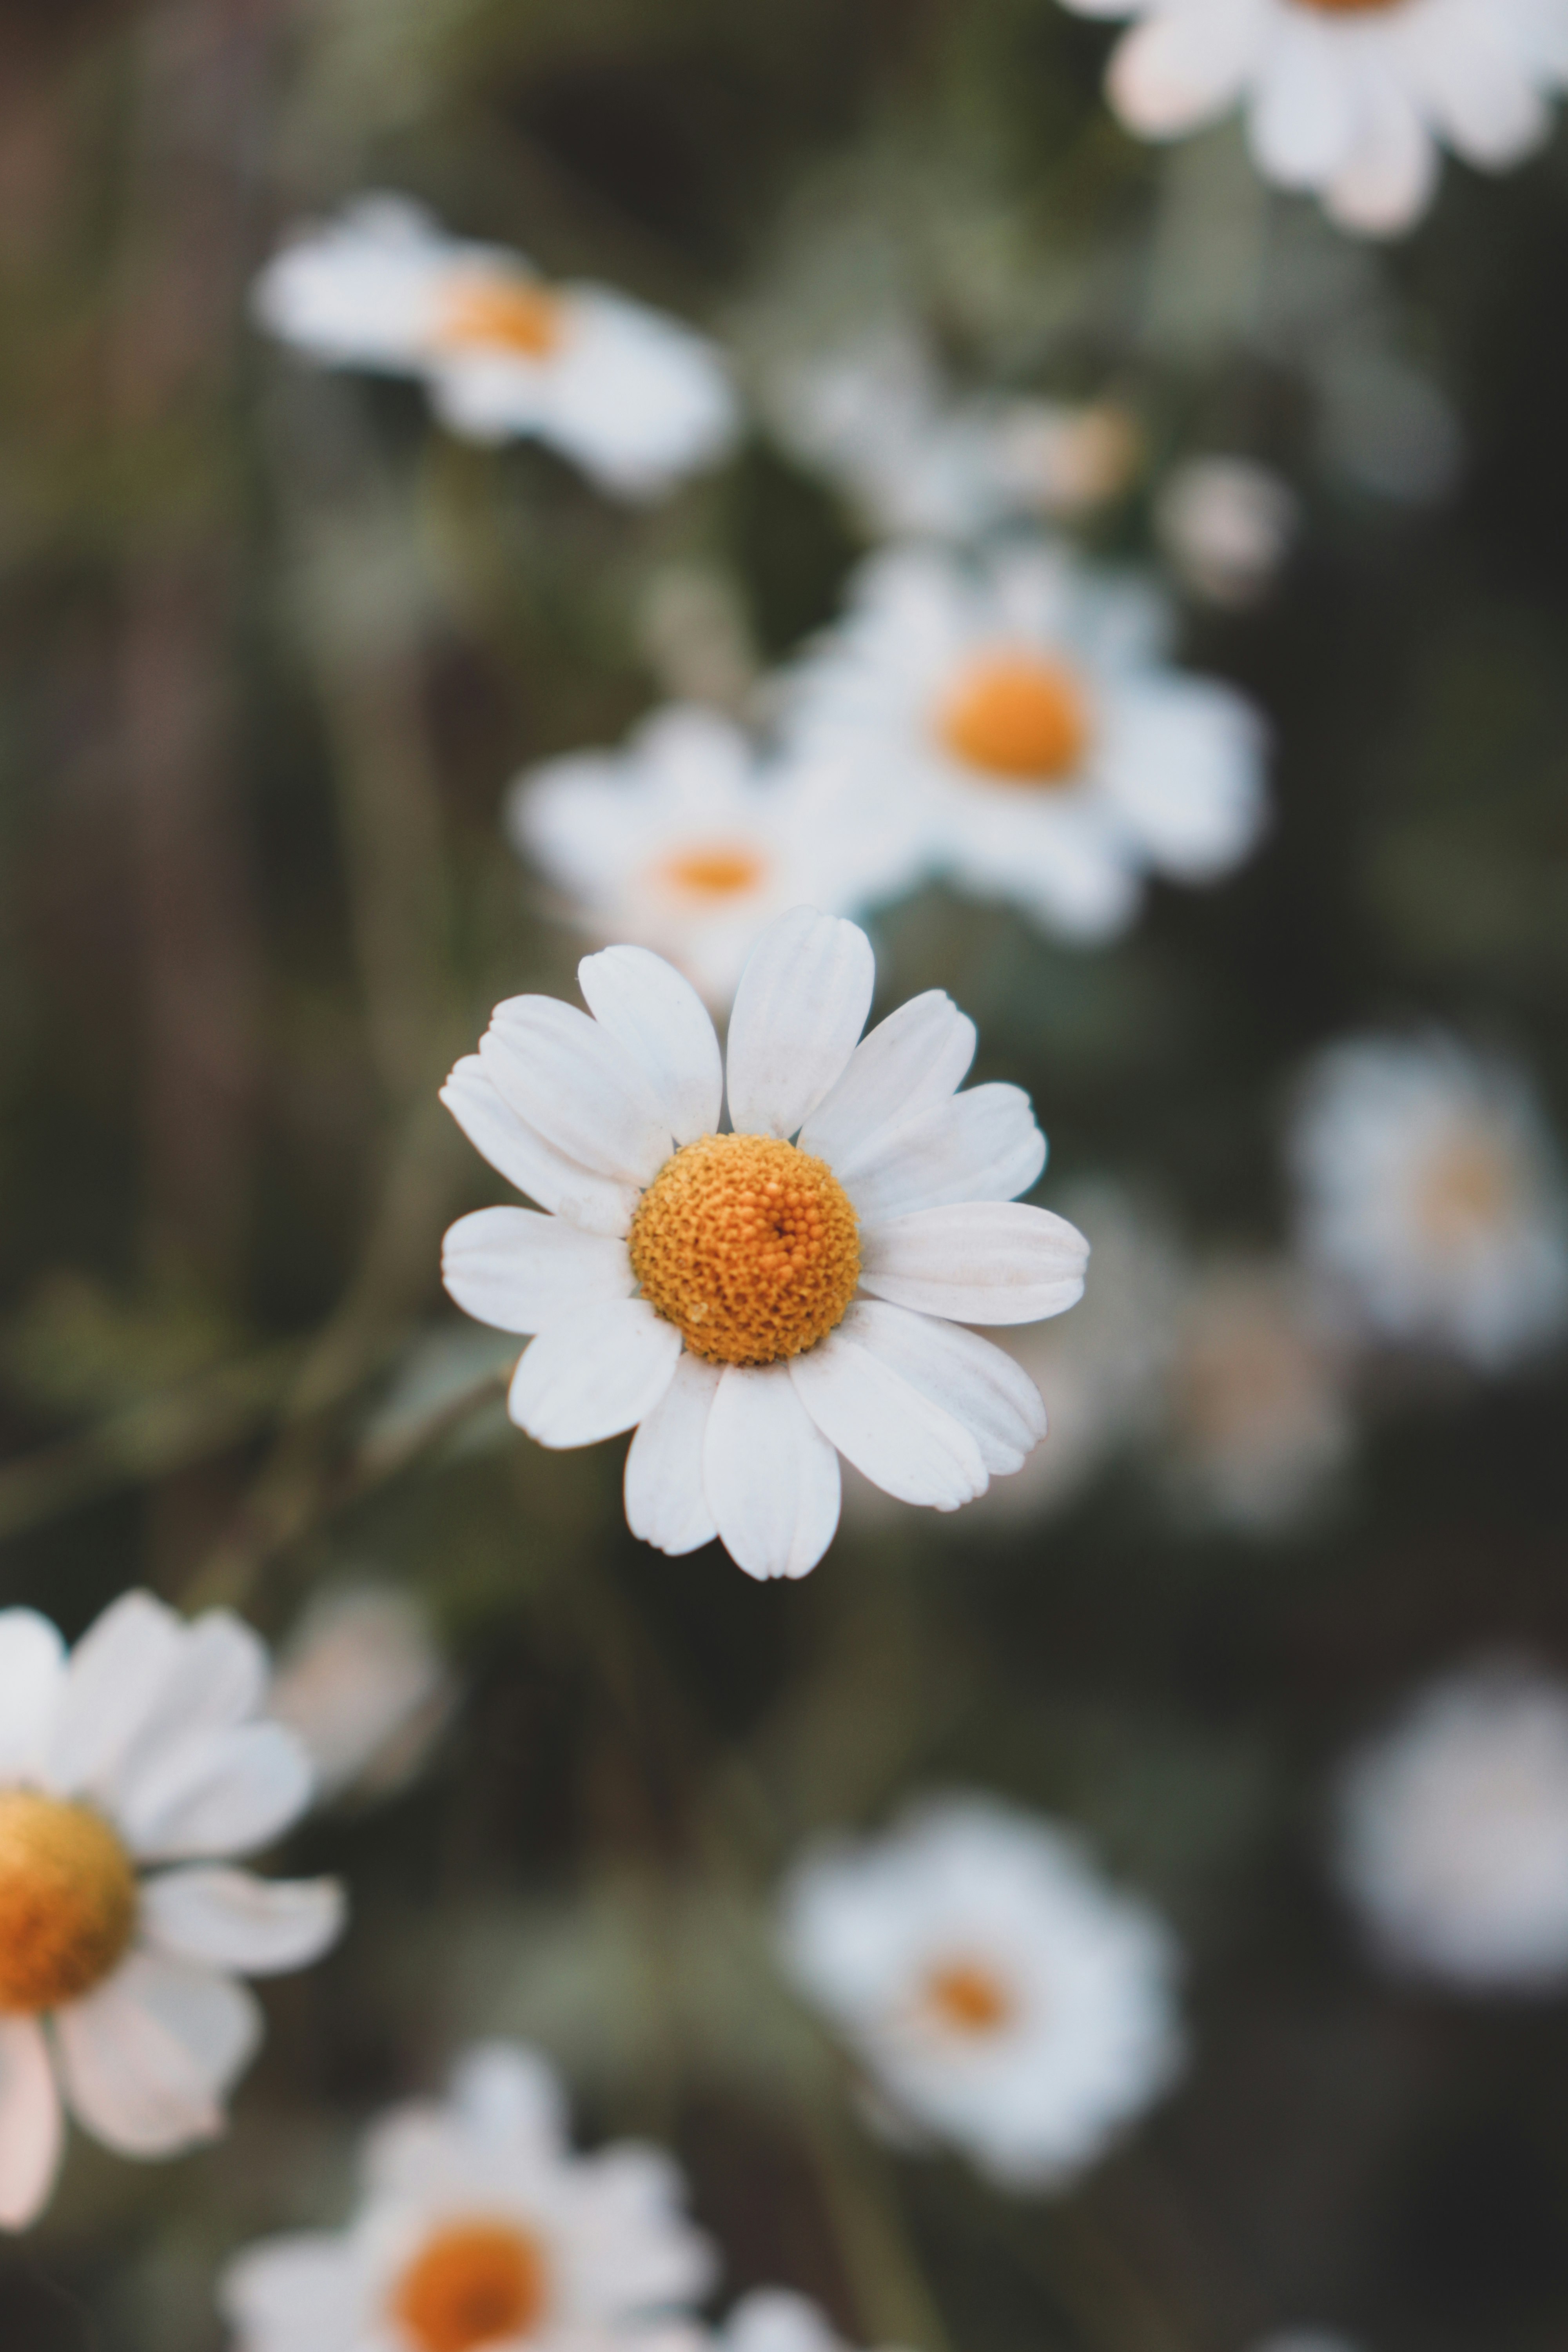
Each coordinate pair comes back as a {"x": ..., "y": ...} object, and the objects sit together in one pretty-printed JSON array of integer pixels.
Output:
[
  {"x": 749, "y": 1245},
  {"x": 500, "y": 313},
  {"x": 68, "y": 1901},
  {"x": 721, "y": 870},
  {"x": 969, "y": 1999},
  {"x": 475, "y": 2283},
  {"x": 1020, "y": 719}
]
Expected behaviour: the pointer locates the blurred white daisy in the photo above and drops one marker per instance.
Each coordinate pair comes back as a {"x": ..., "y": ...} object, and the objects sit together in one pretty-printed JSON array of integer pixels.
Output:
[
  {"x": 1429, "y": 1192},
  {"x": 146, "y": 1745},
  {"x": 1027, "y": 714},
  {"x": 1225, "y": 525},
  {"x": 1453, "y": 1833},
  {"x": 1351, "y": 99},
  {"x": 478, "y": 2226},
  {"x": 683, "y": 843},
  {"x": 772, "y": 2319},
  {"x": 998, "y": 1994},
  {"x": 751, "y": 1301},
  {"x": 363, "y": 1683},
  {"x": 631, "y": 396}
]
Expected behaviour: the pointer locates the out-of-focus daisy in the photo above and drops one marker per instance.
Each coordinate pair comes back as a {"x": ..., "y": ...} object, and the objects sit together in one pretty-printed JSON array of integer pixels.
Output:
[
  {"x": 770, "y": 2319},
  {"x": 1351, "y": 99},
  {"x": 145, "y": 1746},
  {"x": 1453, "y": 1833},
  {"x": 366, "y": 1686},
  {"x": 757, "y": 1302},
  {"x": 1258, "y": 1414},
  {"x": 1429, "y": 1192},
  {"x": 632, "y": 397},
  {"x": 683, "y": 843},
  {"x": 999, "y": 1994},
  {"x": 478, "y": 2227},
  {"x": 1225, "y": 525},
  {"x": 1029, "y": 717}
]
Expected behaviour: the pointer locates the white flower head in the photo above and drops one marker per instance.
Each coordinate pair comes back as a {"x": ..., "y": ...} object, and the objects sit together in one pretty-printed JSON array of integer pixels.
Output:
[
  {"x": 363, "y": 1682},
  {"x": 1428, "y": 1190},
  {"x": 131, "y": 1771},
  {"x": 756, "y": 1302},
  {"x": 1225, "y": 524},
  {"x": 629, "y": 395},
  {"x": 998, "y": 1994},
  {"x": 1453, "y": 1833},
  {"x": 1350, "y": 99},
  {"x": 772, "y": 2319},
  {"x": 478, "y": 2226},
  {"x": 685, "y": 843},
  {"x": 1026, "y": 712}
]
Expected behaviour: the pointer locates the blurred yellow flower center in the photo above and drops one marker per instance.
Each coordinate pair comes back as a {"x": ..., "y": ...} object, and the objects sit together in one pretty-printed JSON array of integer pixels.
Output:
[
  {"x": 505, "y": 314},
  {"x": 723, "y": 871},
  {"x": 1469, "y": 1187},
  {"x": 969, "y": 1997},
  {"x": 1020, "y": 719},
  {"x": 68, "y": 1901},
  {"x": 479, "y": 2283},
  {"x": 748, "y": 1246}
]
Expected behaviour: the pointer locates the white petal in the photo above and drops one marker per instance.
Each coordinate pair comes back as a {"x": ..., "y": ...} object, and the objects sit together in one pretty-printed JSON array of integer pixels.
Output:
[
  {"x": 230, "y": 1919},
  {"x": 298, "y": 2294},
  {"x": 30, "y": 2132},
  {"x": 599, "y": 1204},
  {"x": 1390, "y": 175},
  {"x": 511, "y": 2098},
  {"x": 1183, "y": 766},
  {"x": 979, "y": 1146},
  {"x": 917, "y": 1056},
  {"x": 799, "y": 1009},
  {"x": 149, "y": 2056},
  {"x": 1179, "y": 70},
  {"x": 222, "y": 1793},
  {"x": 770, "y": 1477},
  {"x": 518, "y": 1271},
  {"x": 659, "y": 1017},
  {"x": 32, "y": 1677},
  {"x": 980, "y": 1262},
  {"x": 894, "y": 1436},
  {"x": 113, "y": 1686},
  {"x": 666, "y": 1505},
  {"x": 577, "y": 1086},
  {"x": 1300, "y": 123},
  {"x": 980, "y": 1385},
  {"x": 218, "y": 1680},
  {"x": 595, "y": 1373}
]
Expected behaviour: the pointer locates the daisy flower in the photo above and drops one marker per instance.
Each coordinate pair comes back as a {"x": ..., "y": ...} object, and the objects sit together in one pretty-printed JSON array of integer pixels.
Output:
[
  {"x": 1453, "y": 1833},
  {"x": 684, "y": 844},
  {"x": 758, "y": 1301},
  {"x": 1429, "y": 1194},
  {"x": 999, "y": 1995},
  {"x": 364, "y": 1683},
  {"x": 1351, "y": 99},
  {"x": 630, "y": 396},
  {"x": 1028, "y": 716},
  {"x": 145, "y": 1746},
  {"x": 478, "y": 2226}
]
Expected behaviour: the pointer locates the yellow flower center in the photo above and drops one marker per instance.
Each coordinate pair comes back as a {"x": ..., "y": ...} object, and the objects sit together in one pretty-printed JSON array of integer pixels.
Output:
[
  {"x": 505, "y": 314},
  {"x": 724, "y": 870},
  {"x": 1018, "y": 717},
  {"x": 477, "y": 2283},
  {"x": 969, "y": 1999},
  {"x": 748, "y": 1246},
  {"x": 1470, "y": 1188},
  {"x": 68, "y": 1901}
]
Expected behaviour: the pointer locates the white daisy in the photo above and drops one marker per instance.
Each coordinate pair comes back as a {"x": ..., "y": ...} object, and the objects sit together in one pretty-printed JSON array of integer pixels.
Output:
[
  {"x": 750, "y": 1303},
  {"x": 1453, "y": 1833},
  {"x": 770, "y": 2319},
  {"x": 146, "y": 1745},
  {"x": 478, "y": 2227},
  {"x": 1351, "y": 99},
  {"x": 1429, "y": 1192},
  {"x": 683, "y": 843},
  {"x": 999, "y": 1994},
  {"x": 363, "y": 1683},
  {"x": 629, "y": 395},
  {"x": 1225, "y": 525},
  {"x": 1027, "y": 714}
]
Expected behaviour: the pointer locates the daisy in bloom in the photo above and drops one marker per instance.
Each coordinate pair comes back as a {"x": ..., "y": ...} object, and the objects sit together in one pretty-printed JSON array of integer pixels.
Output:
[
  {"x": 757, "y": 1301},
  {"x": 478, "y": 2227},
  {"x": 999, "y": 1994},
  {"x": 630, "y": 396},
  {"x": 1027, "y": 716},
  {"x": 364, "y": 1683},
  {"x": 1453, "y": 1833},
  {"x": 1429, "y": 1192},
  {"x": 683, "y": 843},
  {"x": 1350, "y": 99},
  {"x": 145, "y": 1746}
]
